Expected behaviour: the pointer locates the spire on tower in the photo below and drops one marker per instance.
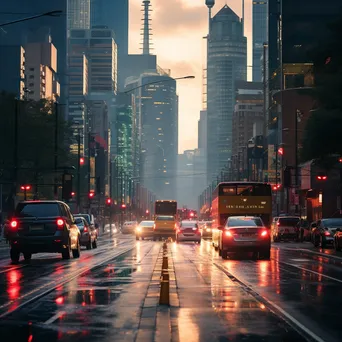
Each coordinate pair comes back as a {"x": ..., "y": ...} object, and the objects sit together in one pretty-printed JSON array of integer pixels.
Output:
[{"x": 146, "y": 27}]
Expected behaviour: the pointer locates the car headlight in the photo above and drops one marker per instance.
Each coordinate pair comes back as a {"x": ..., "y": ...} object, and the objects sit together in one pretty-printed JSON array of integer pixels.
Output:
[
  {"x": 138, "y": 229},
  {"x": 208, "y": 230}
]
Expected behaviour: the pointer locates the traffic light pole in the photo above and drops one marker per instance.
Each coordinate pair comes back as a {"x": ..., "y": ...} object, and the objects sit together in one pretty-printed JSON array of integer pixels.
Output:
[
  {"x": 56, "y": 151},
  {"x": 78, "y": 193},
  {"x": 296, "y": 164}
]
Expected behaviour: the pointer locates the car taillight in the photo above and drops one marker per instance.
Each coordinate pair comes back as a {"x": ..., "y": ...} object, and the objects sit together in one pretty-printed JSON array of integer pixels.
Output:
[
  {"x": 264, "y": 233},
  {"x": 175, "y": 225},
  {"x": 60, "y": 224},
  {"x": 228, "y": 234},
  {"x": 85, "y": 229},
  {"x": 14, "y": 224},
  {"x": 154, "y": 226},
  {"x": 278, "y": 223},
  {"x": 326, "y": 233}
]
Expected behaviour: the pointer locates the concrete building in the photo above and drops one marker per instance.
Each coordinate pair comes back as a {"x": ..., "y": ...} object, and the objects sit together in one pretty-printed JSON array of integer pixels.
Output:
[
  {"x": 40, "y": 71},
  {"x": 260, "y": 20},
  {"x": 227, "y": 63},
  {"x": 78, "y": 14},
  {"x": 12, "y": 70}
]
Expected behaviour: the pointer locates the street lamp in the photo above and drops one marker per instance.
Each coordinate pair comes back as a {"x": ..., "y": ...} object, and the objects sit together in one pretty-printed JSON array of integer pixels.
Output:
[{"x": 56, "y": 13}]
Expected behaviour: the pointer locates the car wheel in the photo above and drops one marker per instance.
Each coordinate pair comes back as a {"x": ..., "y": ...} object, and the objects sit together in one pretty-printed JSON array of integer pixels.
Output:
[
  {"x": 336, "y": 246},
  {"x": 66, "y": 252},
  {"x": 199, "y": 242},
  {"x": 316, "y": 241},
  {"x": 265, "y": 254},
  {"x": 15, "y": 255},
  {"x": 76, "y": 252},
  {"x": 27, "y": 256},
  {"x": 94, "y": 245},
  {"x": 224, "y": 254},
  {"x": 154, "y": 238},
  {"x": 219, "y": 252},
  {"x": 88, "y": 246}
]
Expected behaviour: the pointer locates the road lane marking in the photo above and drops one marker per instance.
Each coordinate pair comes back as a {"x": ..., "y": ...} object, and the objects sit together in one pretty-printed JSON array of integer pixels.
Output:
[
  {"x": 55, "y": 317},
  {"x": 12, "y": 269},
  {"x": 276, "y": 309},
  {"x": 56, "y": 283},
  {"x": 330, "y": 256},
  {"x": 307, "y": 270}
]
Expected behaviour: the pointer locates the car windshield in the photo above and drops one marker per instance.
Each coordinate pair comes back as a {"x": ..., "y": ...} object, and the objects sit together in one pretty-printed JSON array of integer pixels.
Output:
[
  {"x": 165, "y": 218},
  {"x": 85, "y": 216},
  {"x": 146, "y": 223},
  {"x": 37, "y": 210},
  {"x": 244, "y": 222},
  {"x": 332, "y": 223}
]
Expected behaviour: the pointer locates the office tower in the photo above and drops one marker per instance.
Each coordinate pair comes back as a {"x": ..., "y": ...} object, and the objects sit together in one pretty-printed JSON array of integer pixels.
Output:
[
  {"x": 78, "y": 14},
  {"x": 40, "y": 71},
  {"x": 260, "y": 20},
  {"x": 115, "y": 16},
  {"x": 227, "y": 63},
  {"x": 12, "y": 70}
]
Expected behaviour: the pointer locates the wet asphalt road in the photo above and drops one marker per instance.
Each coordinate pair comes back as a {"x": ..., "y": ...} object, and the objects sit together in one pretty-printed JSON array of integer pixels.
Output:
[{"x": 111, "y": 294}]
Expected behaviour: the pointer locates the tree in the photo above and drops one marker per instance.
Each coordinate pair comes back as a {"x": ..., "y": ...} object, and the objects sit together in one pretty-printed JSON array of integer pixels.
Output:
[
  {"x": 322, "y": 136},
  {"x": 36, "y": 142}
]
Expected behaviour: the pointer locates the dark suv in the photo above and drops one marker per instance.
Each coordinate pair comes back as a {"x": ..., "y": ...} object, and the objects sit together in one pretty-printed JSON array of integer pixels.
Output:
[{"x": 43, "y": 226}]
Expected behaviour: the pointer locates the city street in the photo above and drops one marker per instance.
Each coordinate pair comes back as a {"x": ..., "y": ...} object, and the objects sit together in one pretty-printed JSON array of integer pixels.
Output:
[{"x": 112, "y": 294}]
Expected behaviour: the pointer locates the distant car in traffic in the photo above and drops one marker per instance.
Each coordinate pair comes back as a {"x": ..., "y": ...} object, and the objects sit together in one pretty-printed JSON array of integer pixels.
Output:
[
  {"x": 285, "y": 228},
  {"x": 207, "y": 230},
  {"x": 243, "y": 234},
  {"x": 43, "y": 226},
  {"x": 323, "y": 232},
  {"x": 188, "y": 231},
  {"x": 144, "y": 230},
  {"x": 88, "y": 233},
  {"x": 164, "y": 227},
  {"x": 129, "y": 227}
]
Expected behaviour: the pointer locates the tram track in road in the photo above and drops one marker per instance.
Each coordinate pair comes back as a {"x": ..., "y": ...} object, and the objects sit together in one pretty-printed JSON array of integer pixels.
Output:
[{"x": 29, "y": 297}]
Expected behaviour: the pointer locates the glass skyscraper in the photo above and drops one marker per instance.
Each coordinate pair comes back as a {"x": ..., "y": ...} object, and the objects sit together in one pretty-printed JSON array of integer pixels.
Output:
[{"x": 260, "y": 19}]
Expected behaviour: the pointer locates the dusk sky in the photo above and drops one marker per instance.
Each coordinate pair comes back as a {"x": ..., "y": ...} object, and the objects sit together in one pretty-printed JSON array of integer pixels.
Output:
[{"x": 178, "y": 27}]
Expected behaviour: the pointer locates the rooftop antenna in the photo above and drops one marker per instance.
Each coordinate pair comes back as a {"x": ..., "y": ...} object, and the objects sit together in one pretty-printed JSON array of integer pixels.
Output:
[
  {"x": 146, "y": 27},
  {"x": 210, "y": 4}
]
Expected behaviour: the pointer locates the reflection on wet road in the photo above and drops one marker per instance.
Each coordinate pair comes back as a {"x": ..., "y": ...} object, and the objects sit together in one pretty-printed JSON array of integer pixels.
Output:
[{"x": 112, "y": 293}]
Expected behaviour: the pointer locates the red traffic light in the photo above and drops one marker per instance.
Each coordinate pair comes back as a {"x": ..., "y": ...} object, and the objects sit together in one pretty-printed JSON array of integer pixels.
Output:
[
  {"x": 81, "y": 161},
  {"x": 91, "y": 194},
  {"x": 147, "y": 211},
  {"x": 192, "y": 214},
  {"x": 108, "y": 201},
  {"x": 276, "y": 187},
  {"x": 281, "y": 151},
  {"x": 322, "y": 177},
  {"x": 123, "y": 206},
  {"x": 25, "y": 187},
  {"x": 72, "y": 194}
]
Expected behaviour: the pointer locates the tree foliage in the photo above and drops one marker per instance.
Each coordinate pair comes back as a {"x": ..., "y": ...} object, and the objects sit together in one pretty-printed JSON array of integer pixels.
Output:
[{"x": 36, "y": 123}]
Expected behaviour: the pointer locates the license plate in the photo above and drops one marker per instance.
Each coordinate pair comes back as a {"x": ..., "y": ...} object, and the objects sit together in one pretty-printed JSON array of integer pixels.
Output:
[
  {"x": 247, "y": 235},
  {"x": 188, "y": 234},
  {"x": 36, "y": 228}
]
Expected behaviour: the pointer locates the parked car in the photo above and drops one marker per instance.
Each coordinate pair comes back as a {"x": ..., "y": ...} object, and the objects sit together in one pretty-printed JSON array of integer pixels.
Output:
[
  {"x": 129, "y": 227},
  {"x": 144, "y": 230},
  {"x": 88, "y": 233},
  {"x": 43, "y": 226},
  {"x": 285, "y": 228},
  {"x": 324, "y": 230}
]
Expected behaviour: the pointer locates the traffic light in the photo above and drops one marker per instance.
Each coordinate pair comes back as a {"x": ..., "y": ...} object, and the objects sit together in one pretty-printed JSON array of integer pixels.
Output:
[
  {"x": 123, "y": 206},
  {"x": 81, "y": 161},
  {"x": 321, "y": 176},
  {"x": 108, "y": 201},
  {"x": 276, "y": 187},
  {"x": 147, "y": 211},
  {"x": 25, "y": 187},
  {"x": 91, "y": 195},
  {"x": 66, "y": 186}
]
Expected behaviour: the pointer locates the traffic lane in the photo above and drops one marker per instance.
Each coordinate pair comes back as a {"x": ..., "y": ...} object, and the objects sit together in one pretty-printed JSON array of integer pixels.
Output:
[
  {"x": 309, "y": 299},
  {"x": 213, "y": 307},
  {"x": 102, "y": 305},
  {"x": 19, "y": 281}
]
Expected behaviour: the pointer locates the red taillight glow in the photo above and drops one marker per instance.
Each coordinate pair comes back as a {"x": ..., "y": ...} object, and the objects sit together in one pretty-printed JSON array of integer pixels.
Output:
[
  {"x": 154, "y": 226},
  {"x": 326, "y": 233},
  {"x": 85, "y": 229},
  {"x": 14, "y": 224},
  {"x": 278, "y": 223},
  {"x": 264, "y": 233},
  {"x": 59, "y": 300},
  {"x": 228, "y": 234},
  {"x": 60, "y": 223}
]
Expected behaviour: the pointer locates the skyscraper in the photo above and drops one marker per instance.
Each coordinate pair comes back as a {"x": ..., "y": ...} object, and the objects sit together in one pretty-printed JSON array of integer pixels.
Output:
[
  {"x": 114, "y": 15},
  {"x": 260, "y": 20},
  {"x": 227, "y": 63},
  {"x": 78, "y": 14}
]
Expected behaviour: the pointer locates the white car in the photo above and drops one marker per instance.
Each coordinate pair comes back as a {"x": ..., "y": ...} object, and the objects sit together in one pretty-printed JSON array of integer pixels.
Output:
[{"x": 188, "y": 231}]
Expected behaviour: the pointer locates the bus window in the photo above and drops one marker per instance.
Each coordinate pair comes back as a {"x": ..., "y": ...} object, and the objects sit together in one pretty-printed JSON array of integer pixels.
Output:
[
  {"x": 244, "y": 190},
  {"x": 262, "y": 190}
]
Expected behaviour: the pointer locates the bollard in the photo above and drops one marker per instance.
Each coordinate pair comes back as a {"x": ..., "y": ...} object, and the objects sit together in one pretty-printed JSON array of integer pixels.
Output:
[
  {"x": 165, "y": 264},
  {"x": 164, "y": 298}
]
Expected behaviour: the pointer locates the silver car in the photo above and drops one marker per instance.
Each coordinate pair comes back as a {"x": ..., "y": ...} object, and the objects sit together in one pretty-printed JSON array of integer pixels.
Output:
[
  {"x": 245, "y": 234},
  {"x": 188, "y": 231}
]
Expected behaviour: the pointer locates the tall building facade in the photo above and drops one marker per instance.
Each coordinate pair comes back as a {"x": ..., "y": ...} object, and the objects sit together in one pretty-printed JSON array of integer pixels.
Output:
[
  {"x": 202, "y": 131},
  {"x": 12, "y": 70},
  {"x": 227, "y": 63},
  {"x": 158, "y": 134},
  {"x": 114, "y": 15},
  {"x": 260, "y": 20},
  {"x": 41, "y": 70},
  {"x": 78, "y": 14}
]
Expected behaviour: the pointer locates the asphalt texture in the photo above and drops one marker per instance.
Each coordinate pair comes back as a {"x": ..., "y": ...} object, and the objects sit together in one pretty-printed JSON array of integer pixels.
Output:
[{"x": 112, "y": 294}]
